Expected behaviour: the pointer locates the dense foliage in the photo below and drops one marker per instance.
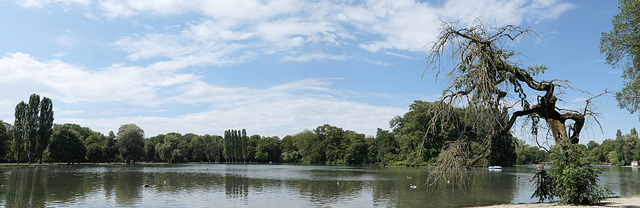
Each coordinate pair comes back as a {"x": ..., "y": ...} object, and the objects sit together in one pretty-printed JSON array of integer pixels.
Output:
[
  {"x": 621, "y": 151},
  {"x": 621, "y": 46},
  {"x": 572, "y": 177},
  {"x": 130, "y": 143}
]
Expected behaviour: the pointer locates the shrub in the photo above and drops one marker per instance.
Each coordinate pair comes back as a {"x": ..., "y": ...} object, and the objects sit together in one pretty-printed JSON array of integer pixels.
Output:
[{"x": 572, "y": 178}]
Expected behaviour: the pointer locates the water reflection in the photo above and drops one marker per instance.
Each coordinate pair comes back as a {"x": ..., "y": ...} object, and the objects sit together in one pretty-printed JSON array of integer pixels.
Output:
[{"x": 265, "y": 186}]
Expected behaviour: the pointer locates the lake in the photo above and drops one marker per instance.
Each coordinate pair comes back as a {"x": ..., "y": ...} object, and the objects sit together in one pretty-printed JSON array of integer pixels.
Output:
[{"x": 255, "y": 185}]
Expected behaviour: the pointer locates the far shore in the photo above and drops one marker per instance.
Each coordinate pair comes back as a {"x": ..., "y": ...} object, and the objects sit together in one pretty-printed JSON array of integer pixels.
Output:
[
  {"x": 620, "y": 201},
  {"x": 114, "y": 163}
]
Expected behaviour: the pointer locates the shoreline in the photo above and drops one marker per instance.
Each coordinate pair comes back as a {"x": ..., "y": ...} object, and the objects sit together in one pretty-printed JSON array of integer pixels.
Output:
[{"x": 617, "y": 201}]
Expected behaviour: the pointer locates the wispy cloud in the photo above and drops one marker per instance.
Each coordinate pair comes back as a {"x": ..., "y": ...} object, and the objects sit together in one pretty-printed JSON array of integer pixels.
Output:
[
  {"x": 277, "y": 116},
  {"x": 226, "y": 32},
  {"x": 42, "y": 3},
  {"x": 315, "y": 57}
]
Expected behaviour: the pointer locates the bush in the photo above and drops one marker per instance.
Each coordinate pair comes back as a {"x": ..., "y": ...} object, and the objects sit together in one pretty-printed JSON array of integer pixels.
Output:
[{"x": 572, "y": 178}]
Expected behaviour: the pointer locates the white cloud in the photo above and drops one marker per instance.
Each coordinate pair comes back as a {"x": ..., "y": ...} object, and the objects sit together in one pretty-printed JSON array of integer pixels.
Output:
[
  {"x": 73, "y": 83},
  {"x": 224, "y": 10},
  {"x": 403, "y": 56},
  {"x": 281, "y": 109},
  {"x": 276, "y": 116},
  {"x": 41, "y": 3},
  {"x": 503, "y": 12},
  {"x": 287, "y": 25},
  {"x": 153, "y": 45},
  {"x": 316, "y": 57},
  {"x": 230, "y": 28},
  {"x": 65, "y": 41},
  {"x": 60, "y": 54}
]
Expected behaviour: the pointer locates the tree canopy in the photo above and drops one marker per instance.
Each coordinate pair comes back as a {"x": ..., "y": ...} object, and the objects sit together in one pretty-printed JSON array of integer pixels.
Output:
[
  {"x": 621, "y": 46},
  {"x": 131, "y": 142}
]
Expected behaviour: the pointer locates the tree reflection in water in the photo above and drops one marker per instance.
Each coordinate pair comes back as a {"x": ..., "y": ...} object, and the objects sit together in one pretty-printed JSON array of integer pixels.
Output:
[{"x": 206, "y": 185}]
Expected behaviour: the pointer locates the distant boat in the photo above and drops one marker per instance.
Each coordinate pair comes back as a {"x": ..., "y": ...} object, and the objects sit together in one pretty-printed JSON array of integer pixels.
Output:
[{"x": 497, "y": 167}]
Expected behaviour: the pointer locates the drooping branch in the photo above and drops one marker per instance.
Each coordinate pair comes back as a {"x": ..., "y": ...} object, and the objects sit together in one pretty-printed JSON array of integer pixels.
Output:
[
  {"x": 503, "y": 132},
  {"x": 485, "y": 74}
]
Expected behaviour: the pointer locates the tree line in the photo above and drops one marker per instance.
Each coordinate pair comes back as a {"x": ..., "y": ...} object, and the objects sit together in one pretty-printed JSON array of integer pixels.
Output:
[
  {"x": 621, "y": 151},
  {"x": 406, "y": 144}
]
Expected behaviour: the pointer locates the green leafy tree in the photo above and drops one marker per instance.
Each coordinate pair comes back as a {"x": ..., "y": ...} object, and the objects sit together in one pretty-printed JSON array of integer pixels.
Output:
[
  {"x": 289, "y": 150},
  {"x": 262, "y": 156},
  {"x": 386, "y": 146},
  {"x": 592, "y": 144},
  {"x": 269, "y": 147},
  {"x": 46, "y": 127},
  {"x": 372, "y": 151},
  {"x": 621, "y": 46},
  {"x": 165, "y": 149},
  {"x": 110, "y": 148},
  {"x": 629, "y": 148},
  {"x": 184, "y": 145},
  {"x": 5, "y": 138},
  {"x": 214, "y": 148},
  {"x": 331, "y": 137},
  {"x": 177, "y": 156},
  {"x": 198, "y": 149},
  {"x": 252, "y": 144},
  {"x": 311, "y": 148},
  {"x": 229, "y": 145},
  {"x": 636, "y": 154},
  {"x": 244, "y": 144},
  {"x": 574, "y": 178},
  {"x": 149, "y": 150},
  {"x": 527, "y": 154},
  {"x": 32, "y": 126},
  {"x": 94, "y": 153},
  {"x": 67, "y": 146},
  {"x": 130, "y": 143},
  {"x": 410, "y": 129},
  {"x": 356, "y": 152},
  {"x": 19, "y": 131}
]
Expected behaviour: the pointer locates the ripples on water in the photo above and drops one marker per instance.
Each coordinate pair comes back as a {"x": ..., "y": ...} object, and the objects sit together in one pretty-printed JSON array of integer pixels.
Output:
[{"x": 219, "y": 185}]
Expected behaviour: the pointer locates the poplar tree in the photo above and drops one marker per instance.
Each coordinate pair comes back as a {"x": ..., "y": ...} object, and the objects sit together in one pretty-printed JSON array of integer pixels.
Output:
[
  {"x": 244, "y": 145},
  {"x": 46, "y": 127},
  {"x": 19, "y": 130},
  {"x": 32, "y": 126}
]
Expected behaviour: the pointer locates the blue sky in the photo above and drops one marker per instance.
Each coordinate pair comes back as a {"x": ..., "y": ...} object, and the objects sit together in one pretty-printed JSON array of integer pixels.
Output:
[{"x": 275, "y": 67}]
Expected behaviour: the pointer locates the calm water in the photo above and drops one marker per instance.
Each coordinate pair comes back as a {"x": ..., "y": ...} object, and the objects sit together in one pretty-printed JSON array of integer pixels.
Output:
[{"x": 219, "y": 185}]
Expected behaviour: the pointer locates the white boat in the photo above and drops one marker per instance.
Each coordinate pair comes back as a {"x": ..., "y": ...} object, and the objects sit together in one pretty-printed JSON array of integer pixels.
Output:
[{"x": 495, "y": 167}]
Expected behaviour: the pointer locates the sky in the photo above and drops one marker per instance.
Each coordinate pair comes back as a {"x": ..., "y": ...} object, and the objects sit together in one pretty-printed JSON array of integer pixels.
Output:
[{"x": 277, "y": 67}]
